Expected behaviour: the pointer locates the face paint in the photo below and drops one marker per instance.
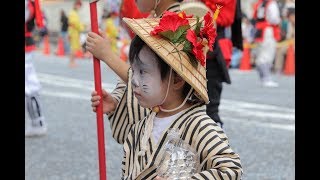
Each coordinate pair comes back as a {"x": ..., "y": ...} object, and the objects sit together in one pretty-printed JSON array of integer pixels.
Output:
[{"x": 146, "y": 81}]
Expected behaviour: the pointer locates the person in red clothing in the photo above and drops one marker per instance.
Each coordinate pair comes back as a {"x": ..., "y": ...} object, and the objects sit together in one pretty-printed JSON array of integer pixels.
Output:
[
  {"x": 37, "y": 126},
  {"x": 218, "y": 60},
  {"x": 128, "y": 8}
]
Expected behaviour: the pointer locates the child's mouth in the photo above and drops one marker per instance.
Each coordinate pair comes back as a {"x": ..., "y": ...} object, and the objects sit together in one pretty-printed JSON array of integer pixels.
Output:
[{"x": 137, "y": 94}]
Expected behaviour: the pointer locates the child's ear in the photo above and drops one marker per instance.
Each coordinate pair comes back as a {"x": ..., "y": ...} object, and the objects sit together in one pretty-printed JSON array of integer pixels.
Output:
[{"x": 178, "y": 82}]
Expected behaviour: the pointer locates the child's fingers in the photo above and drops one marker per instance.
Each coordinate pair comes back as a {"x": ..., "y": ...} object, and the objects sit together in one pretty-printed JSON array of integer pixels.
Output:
[
  {"x": 95, "y": 98},
  {"x": 94, "y": 93},
  {"x": 102, "y": 34},
  {"x": 94, "y": 109},
  {"x": 92, "y": 35},
  {"x": 94, "y": 104}
]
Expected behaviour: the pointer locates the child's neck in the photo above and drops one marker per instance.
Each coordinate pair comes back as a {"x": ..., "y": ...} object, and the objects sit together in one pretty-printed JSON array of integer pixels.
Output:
[
  {"x": 162, "y": 114},
  {"x": 163, "y": 6}
]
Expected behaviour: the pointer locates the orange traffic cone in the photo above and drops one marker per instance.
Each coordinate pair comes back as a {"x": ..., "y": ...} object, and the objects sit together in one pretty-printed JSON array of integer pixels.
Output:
[
  {"x": 46, "y": 45},
  {"x": 245, "y": 64},
  {"x": 60, "y": 48},
  {"x": 289, "y": 68}
]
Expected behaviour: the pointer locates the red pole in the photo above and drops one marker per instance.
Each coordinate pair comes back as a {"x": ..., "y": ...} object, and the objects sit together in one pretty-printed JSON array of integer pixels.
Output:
[{"x": 97, "y": 83}]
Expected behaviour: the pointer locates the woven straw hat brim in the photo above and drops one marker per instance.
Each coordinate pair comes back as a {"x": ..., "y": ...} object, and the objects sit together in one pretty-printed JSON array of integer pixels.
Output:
[
  {"x": 179, "y": 61},
  {"x": 195, "y": 8}
]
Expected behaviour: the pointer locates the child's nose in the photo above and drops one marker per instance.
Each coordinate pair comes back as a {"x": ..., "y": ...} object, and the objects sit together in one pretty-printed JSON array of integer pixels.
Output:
[{"x": 134, "y": 82}]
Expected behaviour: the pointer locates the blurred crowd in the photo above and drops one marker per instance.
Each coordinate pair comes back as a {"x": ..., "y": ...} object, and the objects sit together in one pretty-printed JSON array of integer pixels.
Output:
[
  {"x": 109, "y": 24},
  {"x": 287, "y": 37}
]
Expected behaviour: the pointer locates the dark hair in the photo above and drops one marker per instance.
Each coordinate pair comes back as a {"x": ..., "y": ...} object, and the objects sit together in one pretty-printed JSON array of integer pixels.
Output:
[
  {"x": 135, "y": 47},
  {"x": 180, "y": 0}
]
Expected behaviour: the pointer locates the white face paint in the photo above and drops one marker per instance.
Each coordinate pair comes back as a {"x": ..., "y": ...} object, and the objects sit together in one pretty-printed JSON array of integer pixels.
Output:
[{"x": 146, "y": 81}]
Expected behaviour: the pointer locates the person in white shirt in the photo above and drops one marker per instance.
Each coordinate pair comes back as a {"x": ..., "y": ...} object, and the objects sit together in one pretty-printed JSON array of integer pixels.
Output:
[{"x": 267, "y": 17}]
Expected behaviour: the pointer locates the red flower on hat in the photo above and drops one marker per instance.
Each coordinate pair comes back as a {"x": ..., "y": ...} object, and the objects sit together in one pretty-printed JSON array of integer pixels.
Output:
[
  {"x": 197, "y": 49},
  {"x": 170, "y": 22},
  {"x": 208, "y": 31},
  {"x": 175, "y": 27}
]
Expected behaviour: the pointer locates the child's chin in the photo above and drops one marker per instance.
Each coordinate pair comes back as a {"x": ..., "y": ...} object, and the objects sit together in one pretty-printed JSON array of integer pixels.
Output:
[{"x": 144, "y": 105}]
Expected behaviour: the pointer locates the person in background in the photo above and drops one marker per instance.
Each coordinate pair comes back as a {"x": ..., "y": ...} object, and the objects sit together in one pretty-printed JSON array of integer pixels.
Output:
[
  {"x": 266, "y": 15},
  {"x": 289, "y": 35},
  {"x": 74, "y": 30},
  {"x": 37, "y": 125},
  {"x": 64, "y": 31},
  {"x": 218, "y": 61}
]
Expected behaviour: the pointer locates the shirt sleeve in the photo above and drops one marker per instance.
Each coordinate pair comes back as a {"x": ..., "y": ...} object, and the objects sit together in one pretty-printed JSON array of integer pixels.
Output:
[
  {"x": 118, "y": 92},
  {"x": 127, "y": 112},
  {"x": 119, "y": 119},
  {"x": 217, "y": 158}
]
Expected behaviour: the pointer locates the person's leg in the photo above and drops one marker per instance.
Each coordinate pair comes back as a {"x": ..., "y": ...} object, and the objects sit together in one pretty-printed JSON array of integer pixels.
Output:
[
  {"x": 265, "y": 56},
  {"x": 280, "y": 55},
  {"x": 32, "y": 86},
  {"x": 38, "y": 126},
  {"x": 214, "y": 93},
  {"x": 75, "y": 46},
  {"x": 66, "y": 45}
]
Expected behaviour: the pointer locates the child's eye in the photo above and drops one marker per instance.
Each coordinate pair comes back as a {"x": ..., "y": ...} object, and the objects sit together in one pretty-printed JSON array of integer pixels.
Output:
[{"x": 142, "y": 71}]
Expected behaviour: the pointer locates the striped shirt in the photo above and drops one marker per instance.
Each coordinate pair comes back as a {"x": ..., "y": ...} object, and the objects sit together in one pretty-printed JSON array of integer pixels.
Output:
[{"x": 196, "y": 128}]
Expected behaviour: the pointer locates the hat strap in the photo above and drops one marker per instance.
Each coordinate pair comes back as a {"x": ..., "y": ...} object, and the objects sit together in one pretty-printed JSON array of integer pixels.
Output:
[
  {"x": 182, "y": 104},
  {"x": 167, "y": 87},
  {"x": 157, "y": 2}
]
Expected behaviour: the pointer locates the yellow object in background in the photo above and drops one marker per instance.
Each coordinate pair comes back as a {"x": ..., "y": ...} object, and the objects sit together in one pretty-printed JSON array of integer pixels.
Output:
[
  {"x": 112, "y": 31},
  {"x": 74, "y": 30}
]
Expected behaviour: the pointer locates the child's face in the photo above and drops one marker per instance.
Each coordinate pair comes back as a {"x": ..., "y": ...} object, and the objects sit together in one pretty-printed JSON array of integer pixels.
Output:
[
  {"x": 145, "y": 6},
  {"x": 146, "y": 81}
]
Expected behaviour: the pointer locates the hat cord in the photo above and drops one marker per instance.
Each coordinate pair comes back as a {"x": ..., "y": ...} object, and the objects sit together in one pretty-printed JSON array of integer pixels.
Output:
[
  {"x": 153, "y": 11},
  {"x": 182, "y": 104}
]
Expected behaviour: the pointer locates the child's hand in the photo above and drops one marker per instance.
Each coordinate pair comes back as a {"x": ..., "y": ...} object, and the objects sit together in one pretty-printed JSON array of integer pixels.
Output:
[
  {"x": 109, "y": 103},
  {"x": 98, "y": 45},
  {"x": 159, "y": 178}
]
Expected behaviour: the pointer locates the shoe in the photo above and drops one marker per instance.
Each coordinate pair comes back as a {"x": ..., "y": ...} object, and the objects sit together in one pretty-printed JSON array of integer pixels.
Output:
[
  {"x": 270, "y": 84},
  {"x": 32, "y": 131}
]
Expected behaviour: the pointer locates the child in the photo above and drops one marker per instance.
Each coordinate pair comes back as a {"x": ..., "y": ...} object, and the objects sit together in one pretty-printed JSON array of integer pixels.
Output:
[{"x": 160, "y": 66}]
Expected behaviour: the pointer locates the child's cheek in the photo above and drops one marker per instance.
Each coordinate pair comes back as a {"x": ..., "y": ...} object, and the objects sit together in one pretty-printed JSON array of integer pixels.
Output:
[{"x": 152, "y": 88}]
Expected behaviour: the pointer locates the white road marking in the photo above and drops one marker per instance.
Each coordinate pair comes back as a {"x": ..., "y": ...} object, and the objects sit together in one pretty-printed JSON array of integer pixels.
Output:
[
  {"x": 241, "y": 109},
  {"x": 289, "y": 127}
]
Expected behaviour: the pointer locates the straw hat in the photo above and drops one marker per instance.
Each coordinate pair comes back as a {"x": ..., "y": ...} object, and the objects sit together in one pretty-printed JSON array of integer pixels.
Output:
[
  {"x": 195, "y": 76},
  {"x": 194, "y": 7}
]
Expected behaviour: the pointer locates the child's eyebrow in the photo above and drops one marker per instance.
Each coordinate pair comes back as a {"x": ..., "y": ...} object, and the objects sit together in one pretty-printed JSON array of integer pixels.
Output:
[{"x": 144, "y": 65}]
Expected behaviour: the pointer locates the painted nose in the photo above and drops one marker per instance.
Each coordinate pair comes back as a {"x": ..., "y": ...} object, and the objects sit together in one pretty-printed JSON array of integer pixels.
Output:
[{"x": 134, "y": 81}]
